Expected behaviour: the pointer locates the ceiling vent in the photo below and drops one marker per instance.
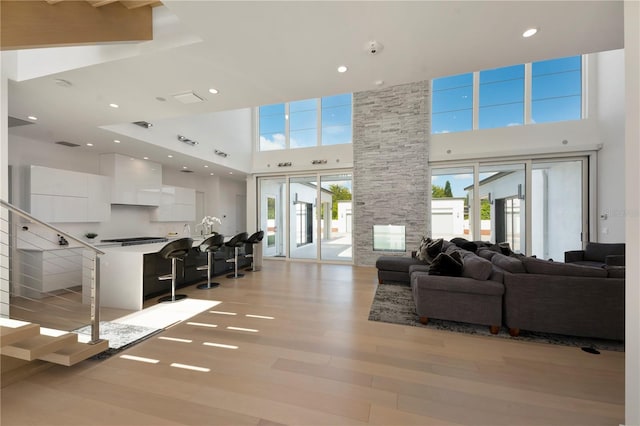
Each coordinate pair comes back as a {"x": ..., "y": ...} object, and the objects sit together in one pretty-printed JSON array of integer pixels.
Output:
[
  {"x": 15, "y": 122},
  {"x": 186, "y": 171},
  {"x": 220, "y": 153},
  {"x": 188, "y": 98},
  {"x": 187, "y": 140},
  {"x": 144, "y": 124},
  {"x": 69, "y": 144}
]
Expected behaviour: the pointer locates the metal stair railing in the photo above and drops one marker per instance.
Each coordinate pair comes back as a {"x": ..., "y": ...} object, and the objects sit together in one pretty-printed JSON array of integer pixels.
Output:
[{"x": 23, "y": 295}]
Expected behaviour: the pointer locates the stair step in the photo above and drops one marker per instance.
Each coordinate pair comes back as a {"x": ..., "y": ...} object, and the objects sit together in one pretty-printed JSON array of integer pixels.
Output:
[
  {"x": 73, "y": 354},
  {"x": 10, "y": 335},
  {"x": 38, "y": 346}
]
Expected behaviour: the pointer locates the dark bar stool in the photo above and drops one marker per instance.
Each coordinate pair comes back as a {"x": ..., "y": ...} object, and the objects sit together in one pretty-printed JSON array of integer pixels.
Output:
[
  {"x": 255, "y": 238},
  {"x": 210, "y": 245},
  {"x": 175, "y": 250},
  {"x": 236, "y": 242}
]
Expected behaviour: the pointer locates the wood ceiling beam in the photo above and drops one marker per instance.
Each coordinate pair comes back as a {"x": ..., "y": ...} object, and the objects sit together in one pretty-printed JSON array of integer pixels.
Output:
[
  {"x": 100, "y": 3},
  {"x": 32, "y": 24},
  {"x": 134, "y": 4}
]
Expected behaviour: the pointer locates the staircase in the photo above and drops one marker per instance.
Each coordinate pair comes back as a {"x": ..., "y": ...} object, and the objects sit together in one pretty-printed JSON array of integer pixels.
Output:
[{"x": 27, "y": 341}]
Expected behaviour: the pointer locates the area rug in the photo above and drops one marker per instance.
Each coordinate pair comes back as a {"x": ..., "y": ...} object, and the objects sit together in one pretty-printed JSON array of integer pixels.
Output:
[
  {"x": 119, "y": 336},
  {"x": 126, "y": 331},
  {"x": 393, "y": 303}
]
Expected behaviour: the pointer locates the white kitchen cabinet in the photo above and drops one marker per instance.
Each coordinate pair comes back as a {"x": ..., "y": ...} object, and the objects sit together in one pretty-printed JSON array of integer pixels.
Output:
[
  {"x": 43, "y": 272},
  {"x": 99, "y": 198},
  {"x": 134, "y": 181},
  {"x": 176, "y": 205},
  {"x": 57, "y": 195}
]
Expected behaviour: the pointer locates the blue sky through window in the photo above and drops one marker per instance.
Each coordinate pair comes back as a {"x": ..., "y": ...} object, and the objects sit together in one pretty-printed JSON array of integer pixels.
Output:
[
  {"x": 556, "y": 89},
  {"x": 336, "y": 112}
]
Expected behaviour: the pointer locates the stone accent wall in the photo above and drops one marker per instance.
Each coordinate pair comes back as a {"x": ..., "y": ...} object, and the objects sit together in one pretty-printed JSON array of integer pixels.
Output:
[{"x": 391, "y": 131}]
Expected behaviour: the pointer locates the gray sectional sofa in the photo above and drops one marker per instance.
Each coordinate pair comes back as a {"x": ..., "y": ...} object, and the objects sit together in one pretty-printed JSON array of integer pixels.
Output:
[{"x": 521, "y": 293}]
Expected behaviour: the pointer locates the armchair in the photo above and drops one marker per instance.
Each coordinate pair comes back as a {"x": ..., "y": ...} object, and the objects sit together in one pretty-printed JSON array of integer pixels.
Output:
[{"x": 597, "y": 254}]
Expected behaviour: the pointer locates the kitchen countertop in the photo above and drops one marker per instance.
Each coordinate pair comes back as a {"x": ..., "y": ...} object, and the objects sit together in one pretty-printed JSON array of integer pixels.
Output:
[{"x": 145, "y": 248}]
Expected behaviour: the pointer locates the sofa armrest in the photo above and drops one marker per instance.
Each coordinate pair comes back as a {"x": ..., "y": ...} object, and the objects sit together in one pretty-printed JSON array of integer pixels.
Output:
[
  {"x": 573, "y": 256},
  {"x": 614, "y": 260}
]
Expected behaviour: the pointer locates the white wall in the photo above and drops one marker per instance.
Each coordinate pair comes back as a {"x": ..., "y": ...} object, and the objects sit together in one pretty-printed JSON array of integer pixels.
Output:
[
  {"x": 632, "y": 177},
  {"x": 610, "y": 116}
]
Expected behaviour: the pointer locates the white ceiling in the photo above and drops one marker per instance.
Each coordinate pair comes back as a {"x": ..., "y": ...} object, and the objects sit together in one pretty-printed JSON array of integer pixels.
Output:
[{"x": 265, "y": 52}]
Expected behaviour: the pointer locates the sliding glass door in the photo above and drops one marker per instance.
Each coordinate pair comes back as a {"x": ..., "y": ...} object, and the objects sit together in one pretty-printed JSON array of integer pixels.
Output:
[
  {"x": 335, "y": 221},
  {"x": 546, "y": 220},
  {"x": 503, "y": 186},
  {"x": 559, "y": 204},
  {"x": 303, "y": 236},
  {"x": 307, "y": 216},
  {"x": 273, "y": 207}
]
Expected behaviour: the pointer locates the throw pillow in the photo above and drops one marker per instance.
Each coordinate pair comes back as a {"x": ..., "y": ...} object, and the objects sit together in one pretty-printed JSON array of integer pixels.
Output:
[
  {"x": 465, "y": 244},
  {"x": 422, "y": 249},
  {"x": 447, "y": 264},
  {"x": 434, "y": 248}
]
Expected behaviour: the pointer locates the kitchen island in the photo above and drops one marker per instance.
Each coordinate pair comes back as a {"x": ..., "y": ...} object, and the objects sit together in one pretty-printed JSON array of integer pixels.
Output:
[{"x": 129, "y": 274}]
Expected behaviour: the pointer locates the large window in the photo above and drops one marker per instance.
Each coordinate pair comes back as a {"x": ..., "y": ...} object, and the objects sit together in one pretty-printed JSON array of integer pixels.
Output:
[
  {"x": 336, "y": 119},
  {"x": 303, "y": 125},
  {"x": 272, "y": 127},
  {"x": 539, "y": 92},
  {"x": 501, "y": 97},
  {"x": 306, "y": 123},
  {"x": 556, "y": 90},
  {"x": 452, "y": 105}
]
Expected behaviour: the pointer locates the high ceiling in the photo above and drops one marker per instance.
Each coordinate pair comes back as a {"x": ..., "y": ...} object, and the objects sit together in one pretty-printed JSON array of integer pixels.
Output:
[{"x": 265, "y": 52}]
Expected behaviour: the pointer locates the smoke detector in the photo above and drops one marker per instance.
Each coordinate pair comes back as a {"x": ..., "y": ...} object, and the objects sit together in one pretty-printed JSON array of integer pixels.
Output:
[{"x": 373, "y": 47}]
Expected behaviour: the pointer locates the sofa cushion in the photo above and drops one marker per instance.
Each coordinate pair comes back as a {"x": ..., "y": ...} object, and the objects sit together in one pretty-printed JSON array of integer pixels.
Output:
[
  {"x": 509, "y": 264},
  {"x": 546, "y": 267},
  {"x": 447, "y": 264},
  {"x": 485, "y": 253},
  {"x": 418, "y": 268},
  {"x": 476, "y": 267},
  {"x": 397, "y": 263},
  {"x": 615, "y": 271}
]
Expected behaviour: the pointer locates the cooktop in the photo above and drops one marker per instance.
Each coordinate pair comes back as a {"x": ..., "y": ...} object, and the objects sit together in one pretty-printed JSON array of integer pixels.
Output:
[{"x": 136, "y": 240}]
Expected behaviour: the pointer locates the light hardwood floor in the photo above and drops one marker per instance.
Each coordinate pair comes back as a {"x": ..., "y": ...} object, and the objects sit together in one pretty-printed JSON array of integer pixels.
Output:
[{"x": 315, "y": 359}]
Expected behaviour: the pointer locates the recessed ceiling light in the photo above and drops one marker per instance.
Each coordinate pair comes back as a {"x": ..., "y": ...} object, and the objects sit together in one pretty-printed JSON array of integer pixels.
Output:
[
  {"x": 89, "y": 144},
  {"x": 211, "y": 174},
  {"x": 116, "y": 141},
  {"x": 342, "y": 68},
  {"x": 31, "y": 117},
  {"x": 170, "y": 156},
  {"x": 230, "y": 173},
  {"x": 206, "y": 167},
  {"x": 145, "y": 158},
  {"x": 530, "y": 32},
  {"x": 184, "y": 167},
  {"x": 114, "y": 105},
  {"x": 213, "y": 91}
]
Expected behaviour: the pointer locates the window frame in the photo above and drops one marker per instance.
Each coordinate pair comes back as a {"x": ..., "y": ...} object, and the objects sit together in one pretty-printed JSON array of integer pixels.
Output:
[
  {"x": 287, "y": 124},
  {"x": 528, "y": 101}
]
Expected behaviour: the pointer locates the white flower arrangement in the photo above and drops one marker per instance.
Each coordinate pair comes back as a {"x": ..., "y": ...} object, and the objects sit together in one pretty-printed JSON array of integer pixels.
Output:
[{"x": 208, "y": 222}]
